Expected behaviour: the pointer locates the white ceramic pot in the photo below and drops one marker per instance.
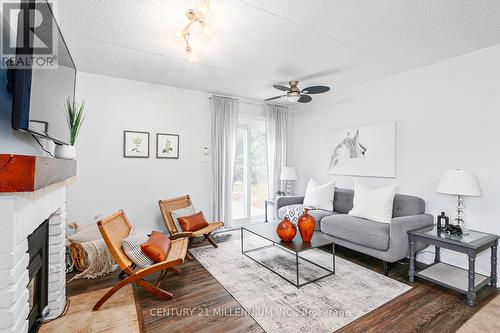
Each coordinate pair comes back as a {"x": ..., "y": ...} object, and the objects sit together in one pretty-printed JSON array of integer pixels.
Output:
[{"x": 66, "y": 152}]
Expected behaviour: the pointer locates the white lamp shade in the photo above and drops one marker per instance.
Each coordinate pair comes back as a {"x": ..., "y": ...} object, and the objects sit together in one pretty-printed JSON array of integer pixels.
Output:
[
  {"x": 459, "y": 182},
  {"x": 288, "y": 173}
]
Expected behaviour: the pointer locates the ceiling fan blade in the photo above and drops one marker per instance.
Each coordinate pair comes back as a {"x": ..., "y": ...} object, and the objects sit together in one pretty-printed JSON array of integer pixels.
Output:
[
  {"x": 315, "y": 90},
  {"x": 275, "y": 97},
  {"x": 304, "y": 99},
  {"x": 280, "y": 87}
]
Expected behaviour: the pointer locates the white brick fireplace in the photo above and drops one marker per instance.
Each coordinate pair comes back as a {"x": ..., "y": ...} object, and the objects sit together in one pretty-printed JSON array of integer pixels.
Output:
[{"x": 21, "y": 214}]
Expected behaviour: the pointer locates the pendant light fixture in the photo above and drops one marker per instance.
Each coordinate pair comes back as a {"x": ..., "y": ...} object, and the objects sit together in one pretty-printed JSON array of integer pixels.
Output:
[{"x": 198, "y": 15}]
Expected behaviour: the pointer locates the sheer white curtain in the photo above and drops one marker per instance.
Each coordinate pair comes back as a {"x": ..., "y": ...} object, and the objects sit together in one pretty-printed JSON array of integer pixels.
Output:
[
  {"x": 224, "y": 112},
  {"x": 276, "y": 130}
]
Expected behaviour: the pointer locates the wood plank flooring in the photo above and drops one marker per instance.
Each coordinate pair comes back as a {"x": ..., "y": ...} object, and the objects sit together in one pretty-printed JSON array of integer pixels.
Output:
[
  {"x": 484, "y": 321},
  {"x": 201, "y": 304}
]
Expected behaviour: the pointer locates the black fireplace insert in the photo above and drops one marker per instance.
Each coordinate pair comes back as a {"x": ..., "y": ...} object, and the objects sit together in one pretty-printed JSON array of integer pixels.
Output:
[{"x": 38, "y": 250}]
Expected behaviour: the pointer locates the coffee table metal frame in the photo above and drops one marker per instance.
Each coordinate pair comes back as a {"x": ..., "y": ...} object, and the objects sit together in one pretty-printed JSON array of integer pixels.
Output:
[{"x": 297, "y": 257}]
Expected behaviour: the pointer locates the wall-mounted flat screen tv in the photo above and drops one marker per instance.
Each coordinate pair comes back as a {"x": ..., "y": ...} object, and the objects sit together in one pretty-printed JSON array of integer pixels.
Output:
[{"x": 40, "y": 93}]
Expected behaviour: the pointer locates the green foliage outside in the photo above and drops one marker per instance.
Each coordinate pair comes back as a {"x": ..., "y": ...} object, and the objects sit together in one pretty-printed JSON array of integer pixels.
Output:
[{"x": 257, "y": 155}]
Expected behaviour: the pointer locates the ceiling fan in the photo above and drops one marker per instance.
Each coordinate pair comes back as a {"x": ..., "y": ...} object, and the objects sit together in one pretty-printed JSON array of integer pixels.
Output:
[{"x": 294, "y": 94}]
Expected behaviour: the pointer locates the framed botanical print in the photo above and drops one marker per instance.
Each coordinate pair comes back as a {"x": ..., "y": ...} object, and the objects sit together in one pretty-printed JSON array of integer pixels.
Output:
[
  {"x": 167, "y": 145},
  {"x": 135, "y": 144}
]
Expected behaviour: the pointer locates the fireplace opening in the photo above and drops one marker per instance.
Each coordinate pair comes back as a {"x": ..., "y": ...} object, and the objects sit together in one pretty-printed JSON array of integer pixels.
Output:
[{"x": 38, "y": 250}]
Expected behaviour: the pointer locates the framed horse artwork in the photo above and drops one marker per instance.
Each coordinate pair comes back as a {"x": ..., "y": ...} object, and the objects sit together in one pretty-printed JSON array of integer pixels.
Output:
[{"x": 363, "y": 151}]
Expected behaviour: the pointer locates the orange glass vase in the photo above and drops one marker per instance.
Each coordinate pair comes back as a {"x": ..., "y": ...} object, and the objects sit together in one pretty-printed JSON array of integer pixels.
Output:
[
  {"x": 306, "y": 224},
  {"x": 286, "y": 230}
]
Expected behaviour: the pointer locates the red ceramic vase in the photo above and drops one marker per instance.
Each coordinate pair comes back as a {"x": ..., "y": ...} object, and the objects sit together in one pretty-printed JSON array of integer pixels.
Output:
[
  {"x": 286, "y": 230},
  {"x": 306, "y": 224}
]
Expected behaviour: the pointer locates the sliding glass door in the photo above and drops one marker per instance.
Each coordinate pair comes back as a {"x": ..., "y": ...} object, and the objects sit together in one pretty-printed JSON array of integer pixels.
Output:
[{"x": 250, "y": 173}]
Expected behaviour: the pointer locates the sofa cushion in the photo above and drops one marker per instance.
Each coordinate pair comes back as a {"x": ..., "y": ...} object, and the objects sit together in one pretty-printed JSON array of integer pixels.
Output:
[
  {"x": 373, "y": 204},
  {"x": 342, "y": 201},
  {"x": 404, "y": 205},
  {"x": 319, "y": 196},
  {"x": 357, "y": 230},
  {"x": 318, "y": 215}
]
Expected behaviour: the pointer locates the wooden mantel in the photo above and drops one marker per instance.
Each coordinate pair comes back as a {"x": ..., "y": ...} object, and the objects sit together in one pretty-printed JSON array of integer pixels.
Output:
[{"x": 22, "y": 173}]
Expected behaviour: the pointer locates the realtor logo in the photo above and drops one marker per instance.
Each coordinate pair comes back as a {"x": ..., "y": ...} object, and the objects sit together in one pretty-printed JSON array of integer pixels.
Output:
[{"x": 28, "y": 35}]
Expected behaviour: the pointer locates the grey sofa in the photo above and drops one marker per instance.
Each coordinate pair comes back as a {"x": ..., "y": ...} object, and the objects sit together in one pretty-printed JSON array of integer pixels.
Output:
[{"x": 388, "y": 242}]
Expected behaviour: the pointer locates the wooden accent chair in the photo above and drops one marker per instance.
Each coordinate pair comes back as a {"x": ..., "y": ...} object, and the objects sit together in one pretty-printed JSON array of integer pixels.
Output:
[
  {"x": 114, "y": 229},
  {"x": 182, "y": 202}
]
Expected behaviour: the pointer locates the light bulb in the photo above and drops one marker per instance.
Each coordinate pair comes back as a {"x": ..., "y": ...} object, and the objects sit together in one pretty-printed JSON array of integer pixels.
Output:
[
  {"x": 179, "y": 33},
  {"x": 191, "y": 57},
  {"x": 293, "y": 97},
  {"x": 179, "y": 37},
  {"x": 205, "y": 33},
  {"x": 203, "y": 8}
]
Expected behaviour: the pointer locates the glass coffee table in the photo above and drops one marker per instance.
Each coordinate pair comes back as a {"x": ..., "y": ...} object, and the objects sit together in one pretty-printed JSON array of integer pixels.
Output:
[{"x": 267, "y": 231}]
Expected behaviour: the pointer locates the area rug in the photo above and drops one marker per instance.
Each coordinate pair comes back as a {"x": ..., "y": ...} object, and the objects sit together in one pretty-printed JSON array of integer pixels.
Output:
[{"x": 278, "y": 306}]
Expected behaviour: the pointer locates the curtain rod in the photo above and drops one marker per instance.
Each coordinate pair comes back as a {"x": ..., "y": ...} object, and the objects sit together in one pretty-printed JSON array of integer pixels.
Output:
[
  {"x": 237, "y": 99},
  {"x": 250, "y": 103}
]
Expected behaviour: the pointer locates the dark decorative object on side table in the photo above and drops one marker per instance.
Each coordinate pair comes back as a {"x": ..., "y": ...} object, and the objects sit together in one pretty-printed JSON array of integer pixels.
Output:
[
  {"x": 454, "y": 230},
  {"x": 446, "y": 220},
  {"x": 447, "y": 227}
]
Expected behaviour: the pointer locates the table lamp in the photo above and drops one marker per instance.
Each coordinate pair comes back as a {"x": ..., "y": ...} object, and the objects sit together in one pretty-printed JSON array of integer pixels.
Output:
[
  {"x": 460, "y": 183},
  {"x": 288, "y": 174}
]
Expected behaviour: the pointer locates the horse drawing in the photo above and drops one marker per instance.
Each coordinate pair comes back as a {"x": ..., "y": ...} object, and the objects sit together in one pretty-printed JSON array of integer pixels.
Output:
[{"x": 348, "y": 149}]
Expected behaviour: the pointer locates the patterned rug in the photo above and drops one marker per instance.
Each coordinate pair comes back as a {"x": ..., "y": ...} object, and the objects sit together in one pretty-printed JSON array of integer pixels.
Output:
[{"x": 278, "y": 306}]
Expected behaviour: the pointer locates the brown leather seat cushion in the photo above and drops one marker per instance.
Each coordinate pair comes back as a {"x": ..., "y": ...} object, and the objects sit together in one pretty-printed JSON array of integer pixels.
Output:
[
  {"x": 193, "y": 222},
  {"x": 157, "y": 246}
]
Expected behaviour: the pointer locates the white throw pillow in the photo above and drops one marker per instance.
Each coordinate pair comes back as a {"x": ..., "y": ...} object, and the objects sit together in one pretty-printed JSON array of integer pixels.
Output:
[
  {"x": 85, "y": 234},
  {"x": 319, "y": 196},
  {"x": 132, "y": 248},
  {"x": 373, "y": 204},
  {"x": 186, "y": 211}
]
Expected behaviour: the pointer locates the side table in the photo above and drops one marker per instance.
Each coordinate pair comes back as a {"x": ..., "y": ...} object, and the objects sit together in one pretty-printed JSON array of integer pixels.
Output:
[
  {"x": 464, "y": 281},
  {"x": 268, "y": 202}
]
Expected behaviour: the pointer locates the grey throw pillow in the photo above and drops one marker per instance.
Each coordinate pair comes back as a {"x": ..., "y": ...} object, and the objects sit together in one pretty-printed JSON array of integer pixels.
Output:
[
  {"x": 187, "y": 211},
  {"x": 132, "y": 248}
]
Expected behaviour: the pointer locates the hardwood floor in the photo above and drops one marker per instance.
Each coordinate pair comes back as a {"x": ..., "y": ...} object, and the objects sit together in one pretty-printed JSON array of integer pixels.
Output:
[
  {"x": 485, "y": 320},
  {"x": 201, "y": 304}
]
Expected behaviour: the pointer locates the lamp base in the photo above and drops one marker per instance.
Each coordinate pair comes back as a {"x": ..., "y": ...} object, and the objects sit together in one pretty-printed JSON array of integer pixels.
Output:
[
  {"x": 288, "y": 188},
  {"x": 459, "y": 220}
]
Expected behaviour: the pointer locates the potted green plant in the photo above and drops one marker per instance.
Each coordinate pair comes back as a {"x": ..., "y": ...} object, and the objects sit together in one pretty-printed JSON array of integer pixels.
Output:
[{"x": 75, "y": 114}]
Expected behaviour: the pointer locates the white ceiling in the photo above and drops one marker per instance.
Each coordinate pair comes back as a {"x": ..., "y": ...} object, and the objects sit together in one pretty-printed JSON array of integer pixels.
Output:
[{"x": 341, "y": 43}]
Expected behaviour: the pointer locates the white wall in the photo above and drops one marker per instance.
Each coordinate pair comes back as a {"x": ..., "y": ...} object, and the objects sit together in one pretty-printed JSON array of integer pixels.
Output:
[
  {"x": 106, "y": 181},
  {"x": 447, "y": 117}
]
